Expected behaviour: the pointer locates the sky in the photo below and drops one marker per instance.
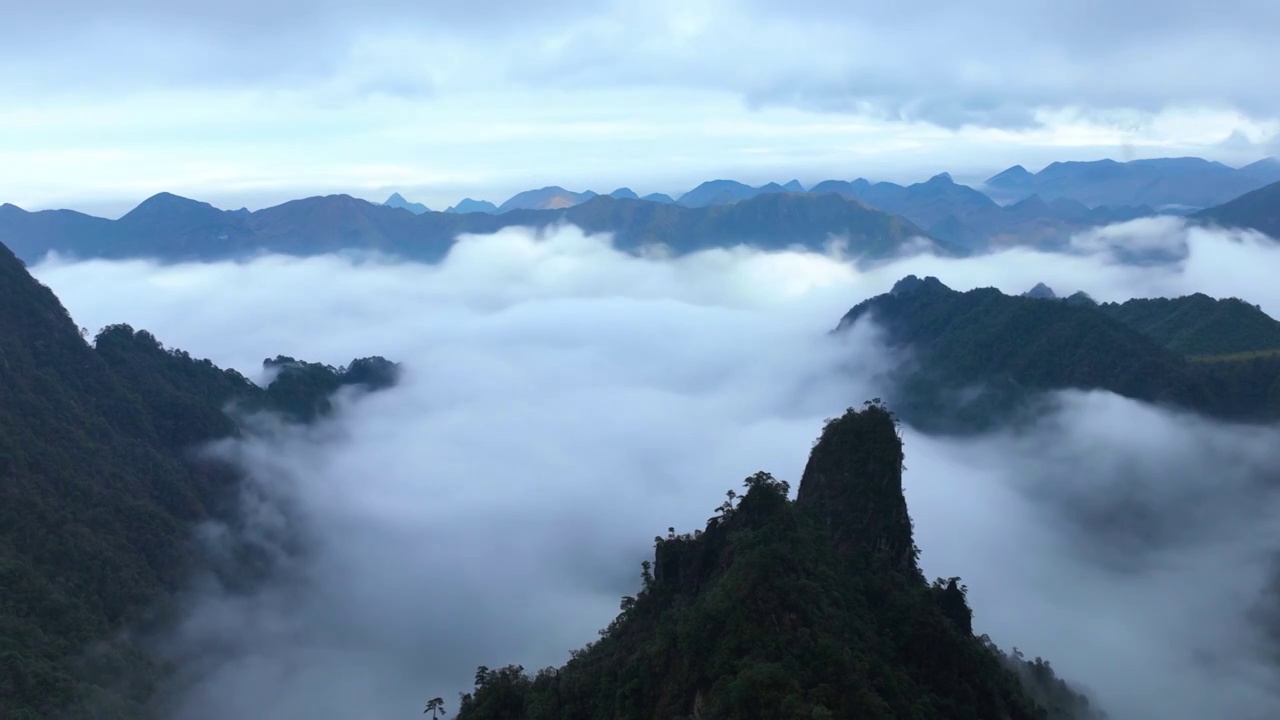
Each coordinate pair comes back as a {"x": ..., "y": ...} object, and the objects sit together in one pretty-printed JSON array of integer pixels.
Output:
[
  {"x": 244, "y": 103},
  {"x": 563, "y": 403}
]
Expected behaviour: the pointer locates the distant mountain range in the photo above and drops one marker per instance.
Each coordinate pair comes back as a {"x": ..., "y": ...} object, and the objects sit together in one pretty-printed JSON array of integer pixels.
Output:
[
  {"x": 1257, "y": 210},
  {"x": 172, "y": 228},
  {"x": 875, "y": 218},
  {"x": 1166, "y": 184},
  {"x": 1163, "y": 185},
  {"x": 968, "y": 218}
]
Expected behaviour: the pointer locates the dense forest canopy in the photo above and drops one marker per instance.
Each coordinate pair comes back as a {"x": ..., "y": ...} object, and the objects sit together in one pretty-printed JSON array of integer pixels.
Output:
[
  {"x": 813, "y": 608},
  {"x": 974, "y": 359},
  {"x": 100, "y": 487}
]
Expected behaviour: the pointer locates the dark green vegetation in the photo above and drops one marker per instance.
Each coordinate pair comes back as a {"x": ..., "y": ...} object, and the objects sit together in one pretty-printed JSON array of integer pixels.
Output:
[
  {"x": 791, "y": 610},
  {"x": 977, "y": 356},
  {"x": 1258, "y": 210},
  {"x": 100, "y": 485},
  {"x": 1199, "y": 325},
  {"x": 171, "y": 228}
]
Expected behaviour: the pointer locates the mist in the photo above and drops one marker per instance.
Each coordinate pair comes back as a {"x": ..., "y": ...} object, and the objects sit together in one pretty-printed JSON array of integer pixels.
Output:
[{"x": 563, "y": 403}]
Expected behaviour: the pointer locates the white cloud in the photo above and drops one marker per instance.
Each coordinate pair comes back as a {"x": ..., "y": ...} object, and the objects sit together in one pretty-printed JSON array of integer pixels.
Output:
[{"x": 564, "y": 403}]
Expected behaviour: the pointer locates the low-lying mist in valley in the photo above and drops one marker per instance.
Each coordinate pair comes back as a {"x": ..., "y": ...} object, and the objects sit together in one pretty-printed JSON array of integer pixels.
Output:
[{"x": 563, "y": 403}]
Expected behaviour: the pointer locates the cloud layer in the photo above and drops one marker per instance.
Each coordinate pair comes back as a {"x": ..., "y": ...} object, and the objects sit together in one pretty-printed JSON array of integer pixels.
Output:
[
  {"x": 564, "y": 403},
  {"x": 869, "y": 57},
  {"x": 249, "y": 103}
]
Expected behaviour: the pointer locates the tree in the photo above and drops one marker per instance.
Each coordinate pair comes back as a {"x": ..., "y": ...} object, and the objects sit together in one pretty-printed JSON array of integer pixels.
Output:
[{"x": 435, "y": 706}]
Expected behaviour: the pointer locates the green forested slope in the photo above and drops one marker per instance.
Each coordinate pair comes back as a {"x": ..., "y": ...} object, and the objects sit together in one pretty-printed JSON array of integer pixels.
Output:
[
  {"x": 1200, "y": 325},
  {"x": 791, "y": 610},
  {"x": 974, "y": 358},
  {"x": 98, "y": 491}
]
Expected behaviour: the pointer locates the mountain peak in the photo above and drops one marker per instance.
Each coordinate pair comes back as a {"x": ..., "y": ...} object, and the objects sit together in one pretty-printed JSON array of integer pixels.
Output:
[
  {"x": 551, "y": 197},
  {"x": 940, "y": 178},
  {"x": 1032, "y": 203},
  {"x": 793, "y": 186},
  {"x": 468, "y": 205},
  {"x": 166, "y": 208},
  {"x": 1040, "y": 291},
  {"x": 1016, "y": 175},
  {"x": 911, "y": 283},
  {"x": 397, "y": 201},
  {"x": 169, "y": 200},
  {"x": 853, "y": 483}
]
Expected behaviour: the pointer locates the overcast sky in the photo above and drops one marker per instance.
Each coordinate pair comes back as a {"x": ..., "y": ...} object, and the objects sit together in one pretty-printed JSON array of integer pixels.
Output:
[{"x": 249, "y": 103}]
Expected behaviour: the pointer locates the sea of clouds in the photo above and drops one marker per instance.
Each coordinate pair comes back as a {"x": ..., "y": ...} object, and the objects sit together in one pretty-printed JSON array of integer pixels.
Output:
[{"x": 563, "y": 403}]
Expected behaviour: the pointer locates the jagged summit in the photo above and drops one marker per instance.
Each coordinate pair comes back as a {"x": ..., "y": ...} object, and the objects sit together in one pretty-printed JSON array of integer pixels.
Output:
[
  {"x": 468, "y": 205},
  {"x": 853, "y": 483},
  {"x": 780, "y": 609},
  {"x": 911, "y": 283},
  {"x": 397, "y": 201},
  {"x": 1041, "y": 291}
]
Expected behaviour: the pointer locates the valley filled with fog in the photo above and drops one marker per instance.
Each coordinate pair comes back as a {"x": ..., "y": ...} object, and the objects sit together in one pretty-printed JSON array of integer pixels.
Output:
[{"x": 563, "y": 401}]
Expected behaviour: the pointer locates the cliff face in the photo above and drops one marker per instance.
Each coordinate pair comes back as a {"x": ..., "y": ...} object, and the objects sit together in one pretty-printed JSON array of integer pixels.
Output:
[
  {"x": 779, "y": 609},
  {"x": 853, "y": 485}
]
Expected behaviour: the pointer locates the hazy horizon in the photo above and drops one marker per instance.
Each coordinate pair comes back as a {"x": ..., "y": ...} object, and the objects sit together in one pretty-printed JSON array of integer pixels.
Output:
[
  {"x": 114, "y": 209},
  {"x": 106, "y": 105}
]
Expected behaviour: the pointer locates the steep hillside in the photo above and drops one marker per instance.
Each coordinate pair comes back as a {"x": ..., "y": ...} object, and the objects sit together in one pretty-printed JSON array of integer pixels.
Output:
[
  {"x": 30, "y": 235},
  {"x": 1200, "y": 325},
  {"x": 977, "y": 357},
  {"x": 793, "y": 610},
  {"x": 99, "y": 489},
  {"x": 1258, "y": 210}
]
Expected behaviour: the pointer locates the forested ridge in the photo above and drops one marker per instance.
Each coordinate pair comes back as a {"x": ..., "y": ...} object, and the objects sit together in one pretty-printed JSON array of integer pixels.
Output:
[
  {"x": 100, "y": 487},
  {"x": 1198, "y": 325},
  {"x": 812, "y": 608},
  {"x": 974, "y": 359}
]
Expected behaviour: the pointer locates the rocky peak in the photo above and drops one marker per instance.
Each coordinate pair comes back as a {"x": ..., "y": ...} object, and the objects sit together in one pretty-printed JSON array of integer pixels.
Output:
[
  {"x": 853, "y": 484},
  {"x": 911, "y": 283},
  {"x": 1040, "y": 291}
]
